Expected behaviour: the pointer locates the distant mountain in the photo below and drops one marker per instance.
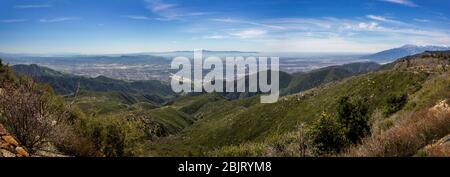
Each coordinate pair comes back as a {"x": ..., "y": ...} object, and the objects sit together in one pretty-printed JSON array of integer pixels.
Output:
[
  {"x": 298, "y": 82},
  {"x": 36, "y": 71},
  {"x": 304, "y": 81},
  {"x": 131, "y": 55},
  {"x": 406, "y": 50},
  {"x": 437, "y": 61},
  {"x": 160, "y": 92},
  {"x": 65, "y": 84},
  {"x": 204, "y": 52}
]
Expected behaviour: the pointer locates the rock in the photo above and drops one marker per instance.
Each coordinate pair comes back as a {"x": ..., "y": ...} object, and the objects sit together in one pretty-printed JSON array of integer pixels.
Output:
[
  {"x": 21, "y": 152},
  {"x": 4, "y": 144},
  {"x": 441, "y": 107},
  {"x": 9, "y": 147},
  {"x": 444, "y": 141},
  {"x": 5, "y": 153},
  {"x": 10, "y": 140}
]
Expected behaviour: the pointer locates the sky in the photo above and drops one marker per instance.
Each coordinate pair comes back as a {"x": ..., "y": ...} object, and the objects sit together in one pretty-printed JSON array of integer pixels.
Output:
[{"x": 130, "y": 26}]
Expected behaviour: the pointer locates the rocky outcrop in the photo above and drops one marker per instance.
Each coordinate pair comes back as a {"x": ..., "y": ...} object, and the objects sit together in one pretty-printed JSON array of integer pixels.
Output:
[
  {"x": 440, "y": 148},
  {"x": 431, "y": 62},
  {"x": 441, "y": 107},
  {"x": 9, "y": 146}
]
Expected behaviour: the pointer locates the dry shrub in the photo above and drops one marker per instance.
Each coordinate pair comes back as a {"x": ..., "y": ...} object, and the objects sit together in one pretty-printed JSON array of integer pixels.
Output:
[
  {"x": 71, "y": 142},
  {"x": 437, "y": 151},
  {"x": 30, "y": 111},
  {"x": 407, "y": 137}
]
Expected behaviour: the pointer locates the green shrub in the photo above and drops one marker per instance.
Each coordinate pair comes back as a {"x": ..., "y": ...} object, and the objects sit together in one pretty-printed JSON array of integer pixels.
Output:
[
  {"x": 394, "y": 103},
  {"x": 114, "y": 141},
  {"x": 326, "y": 135},
  {"x": 5, "y": 73},
  {"x": 113, "y": 136},
  {"x": 329, "y": 134},
  {"x": 354, "y": 118}
]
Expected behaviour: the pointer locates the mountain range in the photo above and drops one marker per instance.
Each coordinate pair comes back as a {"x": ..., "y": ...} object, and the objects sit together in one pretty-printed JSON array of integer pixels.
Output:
[
  {"x": 160, "y": 92},
  {"x": 161, "y": 54},
  {"x": 406, "y": 50}
]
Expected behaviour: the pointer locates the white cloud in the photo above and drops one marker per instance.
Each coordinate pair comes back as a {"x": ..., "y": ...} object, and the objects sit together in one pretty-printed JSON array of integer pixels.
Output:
[
  {"x": 135, "y": 17},
  {"x": 249, "y": 33},
  {"x": 157, "y": 5},
  {"x": 383, "y": 19},
  {"x": 368, "y": 26},
  {"x": 229, "y": 20},
  {"x": 59, "y": 19},
  {"x": 32, "y": 6},
  {"x": 13, "y": 20},
  {"x": 304, "y": 23},
  {"x": 168, "y": 11},
  {"x": 329, "y": 44},
  {"x": 408, "y": 3},
  {"x": 215, "y": 37},
  {"x": 328, "y": 34}
]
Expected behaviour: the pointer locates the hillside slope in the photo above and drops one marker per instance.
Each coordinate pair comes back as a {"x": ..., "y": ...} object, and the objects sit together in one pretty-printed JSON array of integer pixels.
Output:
[
  {"x": 304, "y": 81},
  {"x": 247, "y": 128},
  {"x": 227, "y": 123},
  {"x": 65, "y": 84}
]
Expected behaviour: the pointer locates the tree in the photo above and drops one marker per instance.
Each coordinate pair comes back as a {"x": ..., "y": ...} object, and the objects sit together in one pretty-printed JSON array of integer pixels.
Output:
[
  {"x": 354, "y": 118},
  {"x": 115, "y": 141},
  {"x": 393, "y": 103},
  {"x": 326, "y": 135},
  {"x": 5, "y": 73}
]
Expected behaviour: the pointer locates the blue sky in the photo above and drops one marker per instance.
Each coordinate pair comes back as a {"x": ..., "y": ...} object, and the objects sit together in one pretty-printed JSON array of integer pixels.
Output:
[{"x": 129, "y": 26}]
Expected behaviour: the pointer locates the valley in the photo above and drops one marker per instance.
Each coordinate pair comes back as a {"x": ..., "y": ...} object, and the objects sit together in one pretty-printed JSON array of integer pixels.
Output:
[{"x": 156, "y": 66}]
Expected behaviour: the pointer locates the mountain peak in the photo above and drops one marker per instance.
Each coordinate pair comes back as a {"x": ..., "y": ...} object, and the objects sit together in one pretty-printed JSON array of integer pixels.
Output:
[
  {"x": 406, "y": 50},
  {"x": 423, "y": 46},
  {"x": 409, "y": 46}
]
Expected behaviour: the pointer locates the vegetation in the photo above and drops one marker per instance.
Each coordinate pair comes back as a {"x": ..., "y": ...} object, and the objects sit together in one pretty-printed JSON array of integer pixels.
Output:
[
  {"x": 354, "y": 118},
  {"x": 33, "y": 114},
  {"x": 394, "y": 103},
  {"x": 113, "y": 136},
  {"x": 30, "y": 112},
  {"x": 68, "y": 85},
  {"x": 345, "y": 110},
  {"x": 225, "y": 123},
  {"x": 327, "y": 135},
  {"x": 304, "y": 81},
  {"x": 420, "y": 129}
]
